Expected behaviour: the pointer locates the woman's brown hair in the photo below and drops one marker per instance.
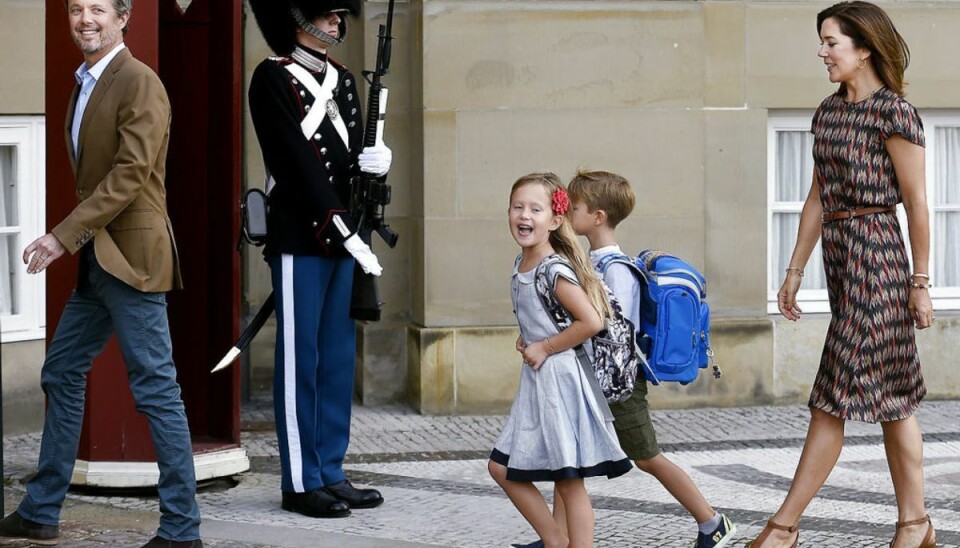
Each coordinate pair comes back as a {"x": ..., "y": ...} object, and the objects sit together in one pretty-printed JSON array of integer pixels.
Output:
[
  {"x": 564, "y": 241},
  {"x": 870, "y": 28}
]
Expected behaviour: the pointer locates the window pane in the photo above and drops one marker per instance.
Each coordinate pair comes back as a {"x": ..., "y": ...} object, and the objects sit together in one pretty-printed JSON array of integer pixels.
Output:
[
  {"x": 946, "y": 265},
  {"x": 794, "y": 165},
  {"x": 947, "y": 155},
  {"x": 8, "y": 180},
  {"x": 784, "y": 236},
  {"x": 8, "y": 275}
]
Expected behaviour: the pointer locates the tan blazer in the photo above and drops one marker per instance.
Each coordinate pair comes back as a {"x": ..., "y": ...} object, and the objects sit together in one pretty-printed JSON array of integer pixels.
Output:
[{"x": 120, "y": 177}]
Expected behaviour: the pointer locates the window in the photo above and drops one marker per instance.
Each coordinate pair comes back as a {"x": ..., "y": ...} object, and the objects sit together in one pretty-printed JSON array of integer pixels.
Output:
[
  {"x": 790, "y": 174},
  {"x": 942, "y": 131},
  {"x": 22, "y": 298}
]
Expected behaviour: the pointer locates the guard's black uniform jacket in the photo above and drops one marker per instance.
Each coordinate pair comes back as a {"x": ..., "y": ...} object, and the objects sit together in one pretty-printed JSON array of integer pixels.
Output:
[{"x": 312, "y": 175}]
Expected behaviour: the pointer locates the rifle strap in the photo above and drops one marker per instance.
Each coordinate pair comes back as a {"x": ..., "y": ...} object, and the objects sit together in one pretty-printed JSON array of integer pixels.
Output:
[{"x": 323, "y": 102}]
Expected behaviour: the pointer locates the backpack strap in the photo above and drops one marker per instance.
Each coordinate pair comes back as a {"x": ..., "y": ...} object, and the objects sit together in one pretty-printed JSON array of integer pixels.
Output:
[
  {"x": 562, "y": 320},
  {"x": 611, "y": 258},
  {"x": 544, "y": 284}
]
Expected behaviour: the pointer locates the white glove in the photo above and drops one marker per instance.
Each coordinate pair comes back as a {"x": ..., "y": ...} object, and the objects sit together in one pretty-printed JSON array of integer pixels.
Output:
[
  {"x": 376, "y": 160},
  {"x": 363, "y": 254}
]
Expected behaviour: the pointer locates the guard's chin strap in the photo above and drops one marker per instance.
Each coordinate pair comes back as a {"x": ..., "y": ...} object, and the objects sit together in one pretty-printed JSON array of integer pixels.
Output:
[{"x": 311, "y": 29}]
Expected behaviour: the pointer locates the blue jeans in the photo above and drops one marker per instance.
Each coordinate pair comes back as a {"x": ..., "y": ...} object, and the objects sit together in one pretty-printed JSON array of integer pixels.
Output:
[{"x": 100, "y": 306}]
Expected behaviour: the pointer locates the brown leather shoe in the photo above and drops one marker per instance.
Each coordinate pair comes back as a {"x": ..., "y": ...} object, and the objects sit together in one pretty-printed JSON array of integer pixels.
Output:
[
  {"x": 929, "y": 540},
  {"x": 795, "y": 528},
  {"x": 16, "y": 526}
]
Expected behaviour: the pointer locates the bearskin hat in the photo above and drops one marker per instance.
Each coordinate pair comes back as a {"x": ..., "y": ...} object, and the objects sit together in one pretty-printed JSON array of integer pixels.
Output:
[{"x": 279, "y": 27}]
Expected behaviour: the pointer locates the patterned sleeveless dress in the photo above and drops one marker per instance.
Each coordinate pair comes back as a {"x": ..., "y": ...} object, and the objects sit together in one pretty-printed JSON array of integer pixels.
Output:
[{"x": 869, "y": 370}]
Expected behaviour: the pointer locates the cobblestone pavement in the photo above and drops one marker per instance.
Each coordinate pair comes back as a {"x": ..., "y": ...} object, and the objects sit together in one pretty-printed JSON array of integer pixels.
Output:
[{"x": 432, "y": 472}]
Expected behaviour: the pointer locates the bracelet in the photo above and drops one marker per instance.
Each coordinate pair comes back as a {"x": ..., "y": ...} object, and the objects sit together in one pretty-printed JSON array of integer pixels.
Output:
[
  {"x": 549, "y": 347},
  {"x": 799, "y": 271},
  {"x": 924, "y": 276},
  {"x": 915, "y": 285}
]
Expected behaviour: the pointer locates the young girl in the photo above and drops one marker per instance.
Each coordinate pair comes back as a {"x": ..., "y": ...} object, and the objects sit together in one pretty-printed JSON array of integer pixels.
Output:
[{"x": 560, "y": 428}]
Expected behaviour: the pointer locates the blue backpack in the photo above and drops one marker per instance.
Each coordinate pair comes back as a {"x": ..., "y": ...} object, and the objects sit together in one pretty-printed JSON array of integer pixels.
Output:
[{"x": 674, "y": 330}]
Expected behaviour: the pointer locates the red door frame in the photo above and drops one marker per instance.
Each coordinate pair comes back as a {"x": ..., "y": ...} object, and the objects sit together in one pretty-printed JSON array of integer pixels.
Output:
[{"x": 198, "y": 55}]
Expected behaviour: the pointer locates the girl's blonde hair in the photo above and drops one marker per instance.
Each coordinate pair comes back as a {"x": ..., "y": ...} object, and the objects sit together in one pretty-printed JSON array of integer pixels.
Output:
[{"x": 564, "y": 242}]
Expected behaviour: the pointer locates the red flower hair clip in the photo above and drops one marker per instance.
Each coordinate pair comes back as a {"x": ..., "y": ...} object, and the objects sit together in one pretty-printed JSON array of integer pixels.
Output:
[{"x": 561, "y": 202}]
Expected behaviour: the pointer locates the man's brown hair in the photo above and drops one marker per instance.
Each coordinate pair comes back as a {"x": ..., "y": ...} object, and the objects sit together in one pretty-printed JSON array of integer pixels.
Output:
[{"x": 604, "y": 190}]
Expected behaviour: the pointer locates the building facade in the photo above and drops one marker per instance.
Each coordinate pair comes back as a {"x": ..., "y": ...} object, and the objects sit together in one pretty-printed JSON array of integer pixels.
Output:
[{"x": 703, "y": 106}]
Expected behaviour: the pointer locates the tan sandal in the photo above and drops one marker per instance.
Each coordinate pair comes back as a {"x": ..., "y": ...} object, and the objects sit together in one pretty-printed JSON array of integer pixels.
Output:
[
  {"x": 795, "y": 528},
  {"x": 929, "y": 540}
]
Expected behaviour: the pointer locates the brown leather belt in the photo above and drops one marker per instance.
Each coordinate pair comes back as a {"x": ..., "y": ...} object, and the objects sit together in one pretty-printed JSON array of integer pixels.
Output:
[{"x": 856, "y": 212}]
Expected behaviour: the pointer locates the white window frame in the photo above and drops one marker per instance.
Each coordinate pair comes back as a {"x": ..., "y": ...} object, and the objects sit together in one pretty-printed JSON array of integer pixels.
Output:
[
  {"x": 816, "y": 300},
  {"x": 27, "y": 133},
  {"x": 810, "y": 300},
  {"x": 944, "y": 298}
]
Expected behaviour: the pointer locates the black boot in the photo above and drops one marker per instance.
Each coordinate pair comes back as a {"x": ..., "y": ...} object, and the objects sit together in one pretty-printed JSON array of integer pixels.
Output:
[
  {"x": 160, "y": 542},
  {"x": 15, "y": 526},
  {"x": 356, "y": 498},
  {"x": 316, "y": 504}
]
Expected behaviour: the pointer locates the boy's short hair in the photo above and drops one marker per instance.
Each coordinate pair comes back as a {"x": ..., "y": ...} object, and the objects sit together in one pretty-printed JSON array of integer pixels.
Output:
[{"x": 604, "y": 190}]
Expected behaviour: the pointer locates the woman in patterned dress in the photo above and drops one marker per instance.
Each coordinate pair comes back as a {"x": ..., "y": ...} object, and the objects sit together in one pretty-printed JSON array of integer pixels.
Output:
[{"x": 869, "y": 156}]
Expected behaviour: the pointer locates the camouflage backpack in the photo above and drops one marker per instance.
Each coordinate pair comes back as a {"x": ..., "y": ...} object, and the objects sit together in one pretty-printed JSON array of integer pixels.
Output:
[{"x": 616, "y": 356}]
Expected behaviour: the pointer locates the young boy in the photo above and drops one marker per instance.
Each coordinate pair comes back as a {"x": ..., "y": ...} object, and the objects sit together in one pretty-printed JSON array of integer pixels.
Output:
[{"x": 600, "y": 201}]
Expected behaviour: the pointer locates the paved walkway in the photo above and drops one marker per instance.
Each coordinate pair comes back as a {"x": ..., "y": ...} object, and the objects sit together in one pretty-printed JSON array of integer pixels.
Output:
[{"x": 432, "y": 472}]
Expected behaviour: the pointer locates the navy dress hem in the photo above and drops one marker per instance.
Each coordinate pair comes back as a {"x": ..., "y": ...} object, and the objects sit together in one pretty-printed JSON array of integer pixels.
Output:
[{"x": 611, "y": 469}]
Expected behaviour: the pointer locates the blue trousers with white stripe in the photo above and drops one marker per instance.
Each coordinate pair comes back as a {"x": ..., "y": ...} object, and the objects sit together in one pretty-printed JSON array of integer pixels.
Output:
[{"x": 313, "y": 375}]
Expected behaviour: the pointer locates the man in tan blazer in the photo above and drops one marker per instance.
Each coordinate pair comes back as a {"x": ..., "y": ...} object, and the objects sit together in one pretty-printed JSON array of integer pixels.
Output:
[{"x": 117, "y": 130}]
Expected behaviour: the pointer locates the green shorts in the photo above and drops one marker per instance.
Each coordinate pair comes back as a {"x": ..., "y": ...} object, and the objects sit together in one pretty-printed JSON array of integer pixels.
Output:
[{"x": 634, "y": 427}]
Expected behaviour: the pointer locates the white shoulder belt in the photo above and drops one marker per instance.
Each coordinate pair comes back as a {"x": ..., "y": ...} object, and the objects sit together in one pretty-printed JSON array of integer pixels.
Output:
[{"x": 323, "y": 104}]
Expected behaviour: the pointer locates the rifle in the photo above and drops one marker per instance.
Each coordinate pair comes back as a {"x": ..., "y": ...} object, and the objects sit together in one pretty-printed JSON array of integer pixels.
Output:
[{"x": 370, "y": 193}]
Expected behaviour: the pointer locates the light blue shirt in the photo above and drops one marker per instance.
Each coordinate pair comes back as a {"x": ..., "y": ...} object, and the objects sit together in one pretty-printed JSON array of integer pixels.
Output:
[
  {"x": 87, "y": 79},
  {"x": 622, "y": 282}
]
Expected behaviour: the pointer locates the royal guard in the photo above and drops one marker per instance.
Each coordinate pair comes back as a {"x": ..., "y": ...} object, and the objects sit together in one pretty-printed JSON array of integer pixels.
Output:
[{"x": 306, "y": 111}]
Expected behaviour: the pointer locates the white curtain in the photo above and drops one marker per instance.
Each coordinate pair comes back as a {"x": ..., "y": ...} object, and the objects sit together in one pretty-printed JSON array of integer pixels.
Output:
[
  {"x": 794, "y": 174},
  {"x": 8, "y": 204},
  {"x": 946, "y": 201}
]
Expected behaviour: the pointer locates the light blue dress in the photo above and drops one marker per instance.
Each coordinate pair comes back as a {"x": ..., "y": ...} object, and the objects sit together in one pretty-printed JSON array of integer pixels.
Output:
[{"x": 557, "y": 429}]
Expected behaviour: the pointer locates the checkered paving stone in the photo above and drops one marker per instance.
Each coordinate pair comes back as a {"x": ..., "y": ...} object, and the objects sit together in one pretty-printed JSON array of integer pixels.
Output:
[{"x": 432, "y": 472}]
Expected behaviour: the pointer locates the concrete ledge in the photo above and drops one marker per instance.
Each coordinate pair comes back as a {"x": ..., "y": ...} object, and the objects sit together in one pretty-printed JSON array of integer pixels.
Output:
[
  {"x": 214, "y": 464},
  {"x": 462, "y": 370},
  {"x": 765, "y": 360}
]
